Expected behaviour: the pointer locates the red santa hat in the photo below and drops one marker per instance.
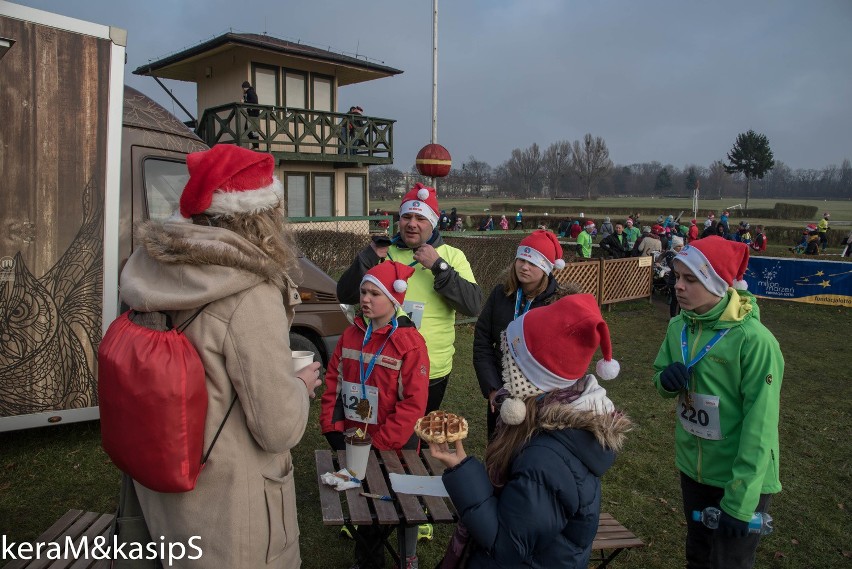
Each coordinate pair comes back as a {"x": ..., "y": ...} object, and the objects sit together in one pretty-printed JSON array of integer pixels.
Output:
[
  {"x": 391, "y": 278},
  {"x": 228, "y": 179},
  {"x": 542, "y": 249},
  {"x": 421, "y": 200},
  {"x": 551, "y": 348},
  {"x": 717, "y": 263},
  {"x": 589, "y": 223}
]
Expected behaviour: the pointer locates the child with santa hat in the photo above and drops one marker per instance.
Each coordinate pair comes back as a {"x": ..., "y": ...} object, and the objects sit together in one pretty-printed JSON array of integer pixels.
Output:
[
  {"x": 536, "y": 500},
  {"x": 725, "y": 368}
]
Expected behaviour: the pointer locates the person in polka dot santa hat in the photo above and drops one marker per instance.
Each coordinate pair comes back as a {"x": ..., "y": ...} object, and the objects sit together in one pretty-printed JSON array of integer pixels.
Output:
[
  {"x": 558, "y": 434},
  {"x": 725, "y": 368},
  {"x": 442, "y": 284}
]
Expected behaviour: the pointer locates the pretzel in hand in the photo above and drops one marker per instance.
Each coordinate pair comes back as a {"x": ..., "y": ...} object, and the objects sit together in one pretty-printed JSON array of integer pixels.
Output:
[{"x": 441, "y": 427}]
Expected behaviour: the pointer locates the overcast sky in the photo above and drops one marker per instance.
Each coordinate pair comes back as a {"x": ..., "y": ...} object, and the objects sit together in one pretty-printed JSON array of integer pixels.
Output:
[{"x": 673, "y": 81}]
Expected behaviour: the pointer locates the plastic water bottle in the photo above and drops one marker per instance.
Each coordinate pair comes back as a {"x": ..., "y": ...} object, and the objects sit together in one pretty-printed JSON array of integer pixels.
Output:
[{"x": 760, "y": 522}]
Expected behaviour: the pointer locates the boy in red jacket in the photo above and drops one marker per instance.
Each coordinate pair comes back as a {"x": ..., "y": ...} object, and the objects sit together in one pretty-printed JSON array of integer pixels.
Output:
[{"x": 380, "y": 359}]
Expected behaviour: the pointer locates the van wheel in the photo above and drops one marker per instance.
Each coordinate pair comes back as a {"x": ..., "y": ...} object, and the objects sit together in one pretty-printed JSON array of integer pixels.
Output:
[{"x": 302, "y": 343}]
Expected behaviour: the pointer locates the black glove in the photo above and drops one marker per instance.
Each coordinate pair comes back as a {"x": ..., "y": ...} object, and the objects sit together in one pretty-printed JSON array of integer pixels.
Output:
[
  {"x": 674, "y": 377},
  {"x": 335, "y": 440},
  {"x": 732, "y": 527}
]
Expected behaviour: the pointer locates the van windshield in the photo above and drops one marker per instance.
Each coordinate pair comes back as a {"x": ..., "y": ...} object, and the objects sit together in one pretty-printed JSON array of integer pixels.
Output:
[{"x": 164, "y": 181}]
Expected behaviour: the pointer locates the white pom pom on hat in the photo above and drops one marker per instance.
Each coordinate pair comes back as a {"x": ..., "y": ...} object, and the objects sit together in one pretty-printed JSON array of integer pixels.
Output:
[
  {"x": 400, "y": 285},
  {"x": 513, "y": 411},
  {"x": 422, "y": 193},
  {"x": 559, "y": 264}
]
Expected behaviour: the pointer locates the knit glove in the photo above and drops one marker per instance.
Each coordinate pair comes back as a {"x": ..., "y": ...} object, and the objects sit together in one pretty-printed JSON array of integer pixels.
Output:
[
  {"x": 674, "y": 377},
  {"x": 732, "y": 527}
]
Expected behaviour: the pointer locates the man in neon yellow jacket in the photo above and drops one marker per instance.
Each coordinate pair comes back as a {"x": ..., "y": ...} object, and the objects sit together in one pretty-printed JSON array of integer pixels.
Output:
[
  {"x": 584, "y": 240},
  {"x": 726, "y": 368},
  {"x": 822, "y": 229},
  {"x": 442, "y": 285}
]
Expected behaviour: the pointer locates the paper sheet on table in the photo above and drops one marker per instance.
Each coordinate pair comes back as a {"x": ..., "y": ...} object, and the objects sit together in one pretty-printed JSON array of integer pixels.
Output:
[{"x": 420, "y": 485}]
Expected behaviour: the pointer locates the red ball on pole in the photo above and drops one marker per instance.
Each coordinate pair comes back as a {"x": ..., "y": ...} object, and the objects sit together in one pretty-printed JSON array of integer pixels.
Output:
[{"x": 434, "y": 161}]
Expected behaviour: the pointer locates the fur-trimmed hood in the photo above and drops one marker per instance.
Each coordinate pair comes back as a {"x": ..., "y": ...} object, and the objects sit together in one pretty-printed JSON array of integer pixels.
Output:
[
  {"x": 610, "y": 429},
  {"x": 182, "y": 265}
]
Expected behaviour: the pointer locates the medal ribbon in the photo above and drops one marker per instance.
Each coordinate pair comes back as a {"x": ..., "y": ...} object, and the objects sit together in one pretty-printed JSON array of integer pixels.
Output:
[
  {"x": 518, "y": 297},
  {"x": 684, "y": 347},
  {"x": 364, "y": 376}
]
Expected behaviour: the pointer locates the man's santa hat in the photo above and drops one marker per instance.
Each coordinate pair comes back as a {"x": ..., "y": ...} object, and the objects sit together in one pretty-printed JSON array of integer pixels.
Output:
[
  {"x": 550, "y": 348},
  {"x": 589, "y": 223},
  {"x": 421, "y": 200},
  {"x": 228, "y": 179},
  {"x": 542, "y": 249},
  {"x": 717, "y": 263},
  {"x": 391, "y": 278}
]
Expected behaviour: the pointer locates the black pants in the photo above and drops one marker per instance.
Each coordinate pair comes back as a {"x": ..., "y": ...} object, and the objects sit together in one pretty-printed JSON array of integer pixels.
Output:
[
  {"x": 437, "y": 388},
  {"x": 707, "y": 548}
]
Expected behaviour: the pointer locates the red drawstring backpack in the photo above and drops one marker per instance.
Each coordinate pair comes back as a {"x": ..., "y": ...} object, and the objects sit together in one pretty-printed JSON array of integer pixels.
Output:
[{"x": 153, "y": 401}]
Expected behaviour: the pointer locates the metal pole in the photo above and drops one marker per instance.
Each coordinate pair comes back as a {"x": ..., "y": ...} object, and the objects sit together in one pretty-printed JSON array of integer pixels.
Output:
[{"x": 434, "y": 71}]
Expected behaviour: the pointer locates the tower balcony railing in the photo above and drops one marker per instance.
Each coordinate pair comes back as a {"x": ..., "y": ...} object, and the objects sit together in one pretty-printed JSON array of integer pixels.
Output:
[{"x": 300, "y": 134}]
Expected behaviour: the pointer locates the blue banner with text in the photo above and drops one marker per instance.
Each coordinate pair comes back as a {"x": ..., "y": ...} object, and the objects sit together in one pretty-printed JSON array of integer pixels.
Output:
[{"x": 816, "y": 281}]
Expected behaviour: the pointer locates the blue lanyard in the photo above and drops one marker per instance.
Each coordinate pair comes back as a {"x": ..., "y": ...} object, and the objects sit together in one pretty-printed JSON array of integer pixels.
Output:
[
  {"x": 518, "y": 312},
  {"x": 363, "y": 377},
  {"x": 685, "y": 348}
]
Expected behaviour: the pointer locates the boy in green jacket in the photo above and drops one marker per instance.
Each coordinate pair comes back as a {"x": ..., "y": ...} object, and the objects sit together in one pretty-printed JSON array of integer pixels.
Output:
[{"x": 725, "y": 368}]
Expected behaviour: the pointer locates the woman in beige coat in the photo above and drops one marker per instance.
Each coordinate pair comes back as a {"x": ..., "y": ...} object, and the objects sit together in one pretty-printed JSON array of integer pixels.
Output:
[{"x": 228, "y": 250}]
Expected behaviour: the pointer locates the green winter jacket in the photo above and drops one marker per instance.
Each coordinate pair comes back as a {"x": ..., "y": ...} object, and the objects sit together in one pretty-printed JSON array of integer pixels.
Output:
[{"x": 745, "y": 370}]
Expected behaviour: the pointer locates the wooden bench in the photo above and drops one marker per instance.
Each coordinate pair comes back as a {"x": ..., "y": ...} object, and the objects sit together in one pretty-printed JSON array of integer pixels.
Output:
[
  {"x": 75, "y": 524},
  {"x": 613, "y": 537}
]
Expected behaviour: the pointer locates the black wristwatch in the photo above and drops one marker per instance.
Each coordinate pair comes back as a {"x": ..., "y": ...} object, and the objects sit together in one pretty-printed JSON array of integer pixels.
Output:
[{"x": 439, "y": 267}]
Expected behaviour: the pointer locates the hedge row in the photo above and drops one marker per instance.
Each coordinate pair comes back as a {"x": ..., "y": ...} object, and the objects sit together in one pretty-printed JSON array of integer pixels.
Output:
[{"x": 780, "y": 211}]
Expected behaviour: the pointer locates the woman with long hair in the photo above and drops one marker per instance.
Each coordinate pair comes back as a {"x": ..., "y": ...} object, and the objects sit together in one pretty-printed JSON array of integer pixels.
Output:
[
  {"x": 227, "y": 256},
  {"x": 529, "y": 284},
  {"x": 535, "y": 502}
]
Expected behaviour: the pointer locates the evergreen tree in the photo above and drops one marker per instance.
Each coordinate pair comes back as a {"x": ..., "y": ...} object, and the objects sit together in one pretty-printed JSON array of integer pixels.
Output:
[
  {"x": 663, "y": 183},
  {"x": 691, "y": 180},
  {"x": 752, "y": 156}
]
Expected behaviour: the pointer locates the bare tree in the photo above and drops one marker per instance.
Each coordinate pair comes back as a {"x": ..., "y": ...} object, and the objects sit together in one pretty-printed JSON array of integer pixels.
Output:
[
  {"x": 477, "y": 174},
  {"x": 384, "y": 182},
  {"x": 525, "y": 165},
  {"x": 590, "y": 161},
  {"x": 556, "y": 164},
  {"x": 718, "y": 177}
]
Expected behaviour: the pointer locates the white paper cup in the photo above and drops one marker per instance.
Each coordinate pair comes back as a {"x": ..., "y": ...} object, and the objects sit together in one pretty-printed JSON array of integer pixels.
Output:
[
  {"x": 301, "y": 360},
  {"x": 357, "y": 453}
]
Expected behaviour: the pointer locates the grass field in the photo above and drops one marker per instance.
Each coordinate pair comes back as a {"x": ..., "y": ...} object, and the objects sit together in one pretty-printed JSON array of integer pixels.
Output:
[
  {"x": 841, "y": 210},
  {"x": 44, "y": 472}
]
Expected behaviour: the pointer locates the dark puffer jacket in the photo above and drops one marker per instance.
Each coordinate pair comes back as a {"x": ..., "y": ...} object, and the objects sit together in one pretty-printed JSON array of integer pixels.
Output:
[{"x": 546, "y": 515}]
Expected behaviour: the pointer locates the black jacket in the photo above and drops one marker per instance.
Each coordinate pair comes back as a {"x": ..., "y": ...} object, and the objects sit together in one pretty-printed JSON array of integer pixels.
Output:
[
  {"x": 464, "y": 296},
  {"x": 498, "y": 312},
  {"x": 615, "y": 245}
]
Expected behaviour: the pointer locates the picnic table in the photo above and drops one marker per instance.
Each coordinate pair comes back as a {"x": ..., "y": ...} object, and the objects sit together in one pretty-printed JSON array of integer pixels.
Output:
[{"x": 349, "y": 508}]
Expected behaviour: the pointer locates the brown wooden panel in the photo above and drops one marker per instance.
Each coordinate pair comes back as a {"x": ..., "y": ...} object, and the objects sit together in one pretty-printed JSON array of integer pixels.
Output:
[
  {"x": 411, "y": 508},
  {"x": 359, "y": 512},
  {"x": 435, "y": 505},
  {"x": 624, "y": 279},
  {"x": 332, "y": 511},
  {"x": 54, "y": 95},
  {"x": 377, "y": 484},
  {"x": 585, "y": 274},
  {"x": 100, "y": 527}
]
